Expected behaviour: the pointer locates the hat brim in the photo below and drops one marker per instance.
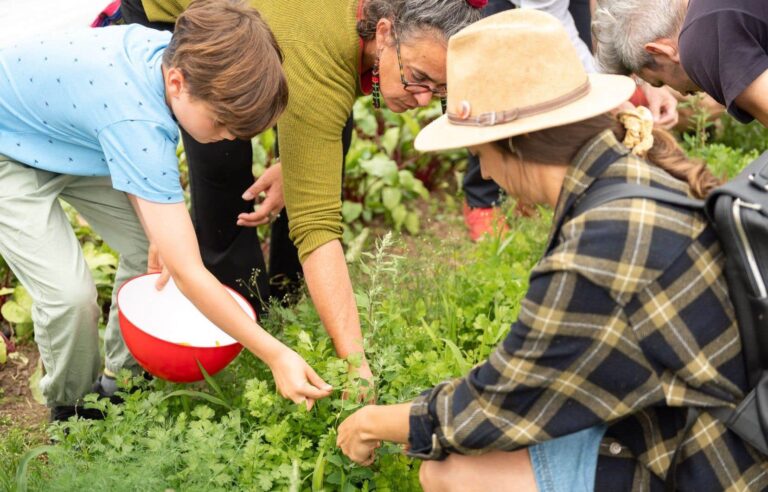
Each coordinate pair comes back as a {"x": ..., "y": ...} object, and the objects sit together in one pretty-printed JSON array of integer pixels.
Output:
[{"x": 606, "y": 93}]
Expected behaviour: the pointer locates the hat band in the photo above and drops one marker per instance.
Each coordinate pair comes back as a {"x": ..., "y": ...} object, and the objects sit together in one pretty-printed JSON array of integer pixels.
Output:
[{"x": 499, "y": 117}]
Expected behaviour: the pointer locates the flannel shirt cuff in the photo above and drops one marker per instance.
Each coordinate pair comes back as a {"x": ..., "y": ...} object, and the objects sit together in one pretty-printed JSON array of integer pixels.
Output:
[{"x": 423, "y": 435}]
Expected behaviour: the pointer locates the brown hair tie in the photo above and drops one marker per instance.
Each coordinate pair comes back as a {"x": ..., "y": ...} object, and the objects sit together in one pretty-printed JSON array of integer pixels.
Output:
[{"x": 639, "y": 125}]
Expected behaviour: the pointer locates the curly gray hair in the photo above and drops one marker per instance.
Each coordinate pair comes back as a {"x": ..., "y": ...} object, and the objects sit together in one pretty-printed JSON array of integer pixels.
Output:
[
  {"x": 622, "y": 28},
  {"x": 446, "y": 17}
]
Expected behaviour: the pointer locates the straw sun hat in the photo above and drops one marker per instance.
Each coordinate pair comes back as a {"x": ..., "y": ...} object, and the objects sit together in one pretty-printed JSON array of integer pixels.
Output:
[{"x": 517, "y": 72}]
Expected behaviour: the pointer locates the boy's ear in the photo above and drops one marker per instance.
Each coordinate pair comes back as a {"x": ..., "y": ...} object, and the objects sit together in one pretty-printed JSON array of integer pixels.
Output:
[
  {"x": 174, "y": 82},
  {"x": 663, "y": 48}
]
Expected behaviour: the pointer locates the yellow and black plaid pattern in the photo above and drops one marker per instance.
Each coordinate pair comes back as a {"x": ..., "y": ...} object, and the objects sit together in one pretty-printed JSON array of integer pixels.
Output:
[{"x": 627, "y": 321}]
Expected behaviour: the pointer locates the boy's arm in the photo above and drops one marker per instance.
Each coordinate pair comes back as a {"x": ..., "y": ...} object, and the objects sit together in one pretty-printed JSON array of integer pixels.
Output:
[{"x": 170, "y": 230}]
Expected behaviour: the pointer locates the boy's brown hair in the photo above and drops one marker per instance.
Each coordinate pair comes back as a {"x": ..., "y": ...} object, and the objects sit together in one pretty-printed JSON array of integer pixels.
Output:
[{"x": 230, "y": 60}]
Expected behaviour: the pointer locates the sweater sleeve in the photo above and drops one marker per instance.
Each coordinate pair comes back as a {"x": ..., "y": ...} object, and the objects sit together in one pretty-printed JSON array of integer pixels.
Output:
[
  {"x": 164, "y": 10},
  {"x": 322, "y": 81},
  {"x": 321, "y": 97}
]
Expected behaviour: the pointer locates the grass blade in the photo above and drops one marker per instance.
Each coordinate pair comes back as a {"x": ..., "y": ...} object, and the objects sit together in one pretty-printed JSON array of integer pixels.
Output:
[
  {"x": 318, "y": 474},
  {"x": 198, "y": 394},
  {"x": 461, "y": 362},
  {"x": 211, "y": 382},
  {"x": 21, "y": 473}
]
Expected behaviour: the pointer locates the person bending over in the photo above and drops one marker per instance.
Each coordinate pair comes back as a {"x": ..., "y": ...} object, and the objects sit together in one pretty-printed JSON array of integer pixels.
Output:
[{"x": 92, "y": 117}]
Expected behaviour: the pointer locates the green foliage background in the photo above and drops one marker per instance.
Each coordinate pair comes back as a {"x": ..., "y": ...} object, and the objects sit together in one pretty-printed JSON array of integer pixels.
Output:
[{"x": 430, "y": 311}]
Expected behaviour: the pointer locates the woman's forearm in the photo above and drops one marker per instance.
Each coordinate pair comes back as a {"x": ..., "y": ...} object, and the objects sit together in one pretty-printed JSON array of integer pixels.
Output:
[
  {"x": 386, "y": 423},
  {"x": 329, "y": 285}
]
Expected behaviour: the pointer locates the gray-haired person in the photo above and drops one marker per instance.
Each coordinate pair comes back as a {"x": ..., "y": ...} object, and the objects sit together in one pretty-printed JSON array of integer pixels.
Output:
[
  {"x": 717, "y": 47},
  {"x": 482, "y": 197}
]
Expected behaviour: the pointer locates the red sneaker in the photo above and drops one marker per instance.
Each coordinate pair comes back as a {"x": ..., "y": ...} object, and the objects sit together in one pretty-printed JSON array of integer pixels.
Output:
[{"x": 482, "y": 221}]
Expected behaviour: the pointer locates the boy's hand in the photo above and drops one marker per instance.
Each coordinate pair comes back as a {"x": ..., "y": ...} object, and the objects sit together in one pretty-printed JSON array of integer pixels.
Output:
[
  {"x": 271, "y": 183},
  {"x": 155, "y": 265},
  {"x": 296, "y": 380}
]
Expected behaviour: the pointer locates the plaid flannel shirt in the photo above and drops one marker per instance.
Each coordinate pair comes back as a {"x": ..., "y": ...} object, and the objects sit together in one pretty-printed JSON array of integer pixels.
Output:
[{"x": 626, "y": 321}]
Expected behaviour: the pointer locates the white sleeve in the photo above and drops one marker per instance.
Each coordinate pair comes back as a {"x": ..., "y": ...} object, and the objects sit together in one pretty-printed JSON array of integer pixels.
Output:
[{"x": 559, "y": 10}]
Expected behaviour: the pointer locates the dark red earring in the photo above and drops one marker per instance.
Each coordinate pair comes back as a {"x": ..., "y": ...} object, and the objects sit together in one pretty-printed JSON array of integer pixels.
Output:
[{"x": 376, "y": 93}]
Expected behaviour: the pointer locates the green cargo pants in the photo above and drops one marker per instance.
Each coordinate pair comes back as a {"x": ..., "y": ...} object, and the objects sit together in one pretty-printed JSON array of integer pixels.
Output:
[{"x": 41, "y": 249}]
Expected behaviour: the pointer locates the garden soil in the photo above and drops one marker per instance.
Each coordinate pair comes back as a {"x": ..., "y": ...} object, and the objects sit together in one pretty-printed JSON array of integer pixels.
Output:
[{"x": 18, "y": 407}]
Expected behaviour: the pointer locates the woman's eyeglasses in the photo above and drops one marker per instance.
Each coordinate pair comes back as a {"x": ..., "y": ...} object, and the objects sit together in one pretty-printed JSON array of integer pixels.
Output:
[{"x": 415, "y": 87}]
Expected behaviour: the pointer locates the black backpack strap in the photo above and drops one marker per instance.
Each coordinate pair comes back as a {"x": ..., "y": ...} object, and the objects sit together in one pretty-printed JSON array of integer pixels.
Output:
[
  {"x": 619, "y": 191},
  {"x": 603, "y": 162}
]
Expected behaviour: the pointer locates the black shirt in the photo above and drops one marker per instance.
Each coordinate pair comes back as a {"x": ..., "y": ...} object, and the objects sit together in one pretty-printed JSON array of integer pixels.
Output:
[{"x": 724, "y": 48}]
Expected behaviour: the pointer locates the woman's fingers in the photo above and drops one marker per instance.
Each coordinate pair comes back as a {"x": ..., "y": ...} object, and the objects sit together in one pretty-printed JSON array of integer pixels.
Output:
[
  {"x": 254, "y": 219},
  {"x": 267, "y": 211},
  {"x": 269, "y": 183},
  {"x": 350, "y": 441},
  {"x": 257, "y": 187}
]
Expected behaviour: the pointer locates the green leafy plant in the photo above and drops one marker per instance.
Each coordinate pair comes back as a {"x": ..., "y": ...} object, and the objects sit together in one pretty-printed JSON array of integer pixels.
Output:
[
  {"x": 384, "y": 175},
  {"x": 735, "y": 135},
  {"x": 18, "y": 310},
  {"x": 701, "y": 123},
  {"x": 423, "y": 321},
  {"x": 3, "y": 353}
]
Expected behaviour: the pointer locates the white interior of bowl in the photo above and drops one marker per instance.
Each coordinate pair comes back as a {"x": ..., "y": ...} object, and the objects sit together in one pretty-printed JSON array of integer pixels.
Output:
[{"x": 168, "y": 315}]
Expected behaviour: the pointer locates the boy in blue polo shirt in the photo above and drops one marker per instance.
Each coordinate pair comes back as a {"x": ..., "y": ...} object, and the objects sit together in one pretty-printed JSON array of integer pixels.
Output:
[{"x": 92, "y": 118}]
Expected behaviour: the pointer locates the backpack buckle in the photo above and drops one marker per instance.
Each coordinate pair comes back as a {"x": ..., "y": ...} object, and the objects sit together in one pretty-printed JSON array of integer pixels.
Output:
[{"x": 759, "y": 181}]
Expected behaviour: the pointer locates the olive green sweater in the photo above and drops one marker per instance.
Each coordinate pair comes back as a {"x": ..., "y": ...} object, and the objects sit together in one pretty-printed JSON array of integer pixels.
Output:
[{"x": 322, "y": 52}]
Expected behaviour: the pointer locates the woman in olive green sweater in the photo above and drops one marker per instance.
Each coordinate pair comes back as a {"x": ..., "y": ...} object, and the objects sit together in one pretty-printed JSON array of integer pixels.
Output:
[{"x": 333, "y": 50}]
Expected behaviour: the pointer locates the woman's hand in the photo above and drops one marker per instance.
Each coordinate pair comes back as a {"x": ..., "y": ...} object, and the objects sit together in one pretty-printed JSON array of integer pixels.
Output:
[
  {"x": 663, "y": 105},
  {"x": 354, "y": 440},
  {"x": 296, "y": 380},
  {"x": 271, "y": 183},
  {"x": 366, "y": 385},
  {"x": 362, "y": 432}
]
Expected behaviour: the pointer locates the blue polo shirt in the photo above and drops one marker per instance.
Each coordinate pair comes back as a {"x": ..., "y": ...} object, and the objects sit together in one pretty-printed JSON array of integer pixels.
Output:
[{"x": 92, "y": 103}]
